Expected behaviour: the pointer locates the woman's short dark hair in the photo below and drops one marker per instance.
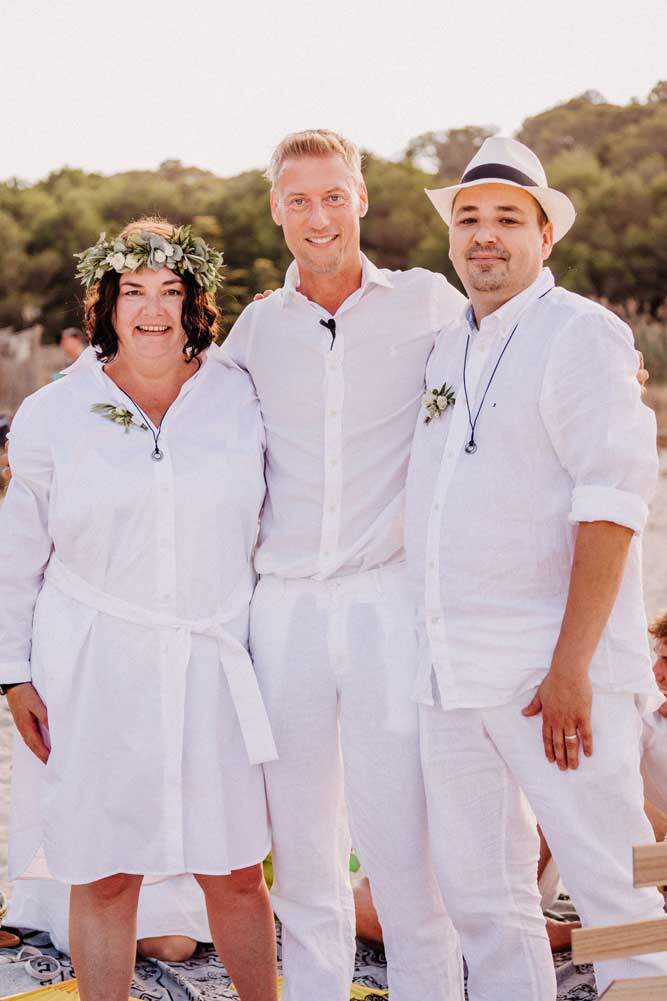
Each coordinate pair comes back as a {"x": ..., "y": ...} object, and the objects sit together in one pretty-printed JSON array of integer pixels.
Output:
[{"x": 199, "y": 316}]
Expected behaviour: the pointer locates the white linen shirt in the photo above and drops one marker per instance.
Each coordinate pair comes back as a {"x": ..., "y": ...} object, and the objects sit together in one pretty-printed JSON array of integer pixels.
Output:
[
  {"x": 339, "y": 415},
  {"x": 125, "y": 587},
  {"x": 563, "y": 437}
]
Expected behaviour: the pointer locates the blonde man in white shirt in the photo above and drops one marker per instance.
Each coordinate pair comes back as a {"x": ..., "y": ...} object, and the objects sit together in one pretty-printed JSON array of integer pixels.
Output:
[
  {"x": 525, "y": 504},
  {"x": 337, "y": 357}
]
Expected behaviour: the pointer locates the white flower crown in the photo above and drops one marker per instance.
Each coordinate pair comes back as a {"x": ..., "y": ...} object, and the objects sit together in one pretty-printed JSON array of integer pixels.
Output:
[{"x": 181, "y": 253}]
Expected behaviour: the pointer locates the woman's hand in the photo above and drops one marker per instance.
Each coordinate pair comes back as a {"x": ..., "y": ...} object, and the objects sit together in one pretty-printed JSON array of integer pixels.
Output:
[
  {"x": 565, "y": 703},
  {"x": 29, "y": 714}
]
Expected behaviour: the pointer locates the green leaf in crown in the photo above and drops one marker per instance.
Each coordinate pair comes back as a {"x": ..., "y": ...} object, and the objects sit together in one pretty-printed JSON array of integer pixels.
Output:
[{"x": 182, "y": 253}]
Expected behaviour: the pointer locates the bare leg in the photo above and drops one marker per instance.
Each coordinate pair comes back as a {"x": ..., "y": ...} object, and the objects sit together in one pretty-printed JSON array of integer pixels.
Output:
[
  {"x": 244, "y": 935},
  {"x": 103, "y": 936},
  {"x": 658, "y": 819},
  {"x": 368, "y": 925},
  {"x": 545, "y": 854},
  {"x": 168, "y": 948}
]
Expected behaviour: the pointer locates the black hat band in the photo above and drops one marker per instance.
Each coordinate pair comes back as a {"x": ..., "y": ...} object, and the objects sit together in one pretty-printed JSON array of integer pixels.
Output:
[{"x": 496, "y": 170}]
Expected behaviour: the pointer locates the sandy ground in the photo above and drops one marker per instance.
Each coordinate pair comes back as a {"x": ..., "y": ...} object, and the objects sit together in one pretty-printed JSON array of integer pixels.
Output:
[{"x": 655, "y": 591}]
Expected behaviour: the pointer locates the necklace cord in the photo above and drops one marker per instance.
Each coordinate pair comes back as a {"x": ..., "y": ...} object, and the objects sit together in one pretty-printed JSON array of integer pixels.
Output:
[
  {"x": 149, "y": 423},
  {"x": 473, "y": 423}
]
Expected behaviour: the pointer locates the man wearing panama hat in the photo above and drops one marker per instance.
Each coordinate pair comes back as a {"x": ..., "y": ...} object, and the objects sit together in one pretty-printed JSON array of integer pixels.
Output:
[{"x": 527, "y": 494}]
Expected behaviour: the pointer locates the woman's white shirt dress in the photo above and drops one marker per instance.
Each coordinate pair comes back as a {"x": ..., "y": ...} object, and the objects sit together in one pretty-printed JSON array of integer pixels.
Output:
[{"x": 124, "y": 592}]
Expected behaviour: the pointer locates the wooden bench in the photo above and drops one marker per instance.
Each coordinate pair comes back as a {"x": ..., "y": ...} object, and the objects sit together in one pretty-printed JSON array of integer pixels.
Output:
[{"x": 614, "y": 941}]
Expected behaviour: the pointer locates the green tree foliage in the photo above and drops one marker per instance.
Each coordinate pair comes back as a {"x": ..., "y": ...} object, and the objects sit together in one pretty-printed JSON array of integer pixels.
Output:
[
  {"x": 446, "y": 154},
  {"x": 611, "y": 159}
]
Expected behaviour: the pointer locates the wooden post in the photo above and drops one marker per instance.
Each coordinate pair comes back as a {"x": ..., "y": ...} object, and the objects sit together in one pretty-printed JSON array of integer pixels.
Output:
[
  {"x": 649, "y": 863},
  {"x": 614, "y": 941},
  {"x": 641, "y": 989},
  {"x": 19, "y": 366}
]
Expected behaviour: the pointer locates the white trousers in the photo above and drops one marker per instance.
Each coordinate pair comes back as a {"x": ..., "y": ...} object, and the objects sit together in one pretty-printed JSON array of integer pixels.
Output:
[
  {"x": 335, "y": 662},
  {"x": 487, "y": 781}
]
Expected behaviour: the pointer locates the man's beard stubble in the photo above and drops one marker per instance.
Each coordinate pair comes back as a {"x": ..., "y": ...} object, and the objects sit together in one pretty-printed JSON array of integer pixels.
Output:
[{"x": 489, "y": 279}]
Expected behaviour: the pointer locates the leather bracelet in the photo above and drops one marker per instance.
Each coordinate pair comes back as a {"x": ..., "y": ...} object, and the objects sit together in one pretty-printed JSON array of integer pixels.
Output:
[{"x": 12, "y": 684}]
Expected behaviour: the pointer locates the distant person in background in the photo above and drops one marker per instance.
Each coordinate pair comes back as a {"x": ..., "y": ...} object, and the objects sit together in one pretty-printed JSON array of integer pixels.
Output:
[
  {"x": 171, "y": 915},
  {"x": 72, "y": 342},
  {"x": 5, "y": 474}
]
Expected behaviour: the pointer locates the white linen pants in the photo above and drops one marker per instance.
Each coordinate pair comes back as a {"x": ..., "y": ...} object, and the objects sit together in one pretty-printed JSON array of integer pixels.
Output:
[
  {"x": 487, "y": 781},
  {"x": 335, "y": 662}
]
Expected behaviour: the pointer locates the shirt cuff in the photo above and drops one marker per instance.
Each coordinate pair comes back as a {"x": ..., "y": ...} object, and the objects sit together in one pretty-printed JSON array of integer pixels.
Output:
[
  {"x": 14, "y": 672},
  {"x": 594, "y": 503}
]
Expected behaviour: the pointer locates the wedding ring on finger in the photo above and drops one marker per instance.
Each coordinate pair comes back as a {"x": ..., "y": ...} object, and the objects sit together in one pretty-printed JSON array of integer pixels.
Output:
[{"x": 571, "y": 737}]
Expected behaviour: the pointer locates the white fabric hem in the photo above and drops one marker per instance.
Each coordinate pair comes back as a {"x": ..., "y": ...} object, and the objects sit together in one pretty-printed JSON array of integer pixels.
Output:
[{"x": 129, "y": 871}]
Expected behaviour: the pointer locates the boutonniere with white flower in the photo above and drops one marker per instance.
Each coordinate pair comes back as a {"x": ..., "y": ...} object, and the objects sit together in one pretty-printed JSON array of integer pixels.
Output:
[
  {"x": 436, "y": 401},
  {"x": 119, "y": 415}
]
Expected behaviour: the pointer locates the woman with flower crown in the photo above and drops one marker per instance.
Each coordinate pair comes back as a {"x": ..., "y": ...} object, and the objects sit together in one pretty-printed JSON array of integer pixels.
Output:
[{"x": 126, "y": 540}]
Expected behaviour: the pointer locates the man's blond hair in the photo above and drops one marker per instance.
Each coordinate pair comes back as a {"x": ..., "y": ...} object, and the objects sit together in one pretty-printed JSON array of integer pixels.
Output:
[{"x": 313, "y": 142}]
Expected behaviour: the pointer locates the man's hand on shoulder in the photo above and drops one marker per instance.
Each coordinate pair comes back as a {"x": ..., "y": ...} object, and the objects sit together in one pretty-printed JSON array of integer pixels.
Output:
[
  {"x": 269, "y": 291},
  {"x": 642, "y": 372},
  {"x": 30, "y": 717}
]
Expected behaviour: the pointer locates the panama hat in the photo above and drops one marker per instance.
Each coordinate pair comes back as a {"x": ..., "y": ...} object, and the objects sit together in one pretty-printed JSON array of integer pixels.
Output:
[{"x": 505, "y": 161}]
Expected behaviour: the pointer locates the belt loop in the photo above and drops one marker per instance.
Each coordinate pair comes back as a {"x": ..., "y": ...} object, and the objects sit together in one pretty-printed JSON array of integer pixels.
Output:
[{"x": 379, "y": 579}]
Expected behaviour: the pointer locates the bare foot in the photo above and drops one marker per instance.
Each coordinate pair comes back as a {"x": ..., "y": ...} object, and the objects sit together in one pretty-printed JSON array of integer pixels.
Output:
[{"x": 560, "y": 934}]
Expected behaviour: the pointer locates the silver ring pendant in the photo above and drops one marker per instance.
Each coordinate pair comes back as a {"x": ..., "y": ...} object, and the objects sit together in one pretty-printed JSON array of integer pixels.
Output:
[
  {"x": 471, "y": 448},
  {"x": 157, "y": 455}
]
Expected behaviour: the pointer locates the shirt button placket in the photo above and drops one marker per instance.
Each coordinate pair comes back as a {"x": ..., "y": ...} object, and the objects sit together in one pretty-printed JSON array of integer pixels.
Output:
[
  {"x": 333, "y": 452},
  {"x": 166, "y": 592},
  {"x": 165, "y": 510}
]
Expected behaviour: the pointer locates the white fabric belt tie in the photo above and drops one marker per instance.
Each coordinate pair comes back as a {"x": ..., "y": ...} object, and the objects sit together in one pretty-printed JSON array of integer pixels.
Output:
[{"x": 234, "y": 658}]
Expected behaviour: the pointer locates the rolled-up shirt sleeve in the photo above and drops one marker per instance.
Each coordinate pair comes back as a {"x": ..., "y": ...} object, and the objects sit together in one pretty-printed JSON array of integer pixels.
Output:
[
  {"x": 602, "y": 432},
  {"x": 25, "y": 544}
]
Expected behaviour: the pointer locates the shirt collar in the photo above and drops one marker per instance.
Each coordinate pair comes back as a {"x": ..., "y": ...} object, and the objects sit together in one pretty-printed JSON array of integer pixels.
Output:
[
  {"x": 503, "y": 320},
  {"x": 87, "y": 359},
  {"x": 370, "y": 275}
]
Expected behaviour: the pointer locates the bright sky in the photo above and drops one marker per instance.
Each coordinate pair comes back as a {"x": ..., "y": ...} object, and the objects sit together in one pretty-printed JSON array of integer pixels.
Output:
[{"x": 216, "y": 83}]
